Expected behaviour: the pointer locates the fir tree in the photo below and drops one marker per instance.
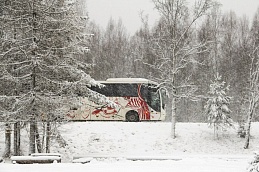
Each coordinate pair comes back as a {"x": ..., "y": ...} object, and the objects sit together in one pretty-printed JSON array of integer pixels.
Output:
[
  {"x": 42, "y": 61},
  {"x": 217, "y": 108}
]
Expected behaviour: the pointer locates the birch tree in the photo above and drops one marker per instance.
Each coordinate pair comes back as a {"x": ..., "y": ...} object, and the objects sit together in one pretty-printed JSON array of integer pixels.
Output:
[
  {"x": 253, "y": 93},
  {"x": 253, "y": 96},
  {"x": 242, "y": 67},
  {"x": 114, "y": 49},
  {"x": 211, "y": 31},
  {"x": 175, "y": 47},
  {"x": 42, "y": 67},
  {"x": 140, "y": 50}
]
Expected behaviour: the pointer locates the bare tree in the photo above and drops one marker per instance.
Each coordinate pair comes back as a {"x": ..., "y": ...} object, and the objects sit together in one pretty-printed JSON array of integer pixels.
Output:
[
  {"x": 174, "y": 46},
  {"x": 212, "y": 33},
  {"x": 114, "y": 50},
  {"x": 253, "y": 93},
  {"x": 253, "y": 55}
]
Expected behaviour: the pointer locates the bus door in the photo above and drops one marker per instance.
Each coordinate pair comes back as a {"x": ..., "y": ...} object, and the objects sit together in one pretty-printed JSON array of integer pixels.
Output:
[{"x": 152, "y": 97}]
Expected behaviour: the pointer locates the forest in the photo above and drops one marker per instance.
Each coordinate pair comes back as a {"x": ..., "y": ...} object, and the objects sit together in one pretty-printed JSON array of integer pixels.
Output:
[
  {"x": 209, "y": 44},
  {"x": 51, "y": 52}
]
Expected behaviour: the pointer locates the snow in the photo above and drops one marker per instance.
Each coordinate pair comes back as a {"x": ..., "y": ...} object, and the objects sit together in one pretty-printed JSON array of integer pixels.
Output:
[
  {"x": 145, "y": 146},
  {"x": 17, "y": 158},
  {"x": 82, "y": 160},
  {"x": 185, "y": 165},
  {"x": 35, "y": 159},
  {"x": 46, "y": 154}
]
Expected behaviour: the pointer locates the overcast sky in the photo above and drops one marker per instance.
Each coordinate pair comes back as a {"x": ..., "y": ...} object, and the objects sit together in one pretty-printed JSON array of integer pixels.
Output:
[{"x": 128, "y": 10}]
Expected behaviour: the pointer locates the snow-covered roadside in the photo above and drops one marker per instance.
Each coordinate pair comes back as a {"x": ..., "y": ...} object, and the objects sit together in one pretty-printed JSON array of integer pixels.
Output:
[
  {"x": 194, "y": 149},
  {"x": 197, "y": 164},
  {"x": 150, "y": 138}
]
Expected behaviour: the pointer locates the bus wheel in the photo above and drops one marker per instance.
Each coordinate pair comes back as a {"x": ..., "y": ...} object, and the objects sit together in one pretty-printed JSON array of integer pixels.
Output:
[{"x": 132, "y": 116}]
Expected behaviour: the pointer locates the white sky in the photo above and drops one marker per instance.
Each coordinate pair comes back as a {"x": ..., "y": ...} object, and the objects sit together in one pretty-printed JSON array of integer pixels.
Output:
[{"x": 128, "y": 10}]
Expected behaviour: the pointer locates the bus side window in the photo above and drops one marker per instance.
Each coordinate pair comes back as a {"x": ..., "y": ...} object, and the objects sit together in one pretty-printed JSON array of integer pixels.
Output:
[
  {"x": 127, "y": 90},
  {"x": 108, "y": 90}
]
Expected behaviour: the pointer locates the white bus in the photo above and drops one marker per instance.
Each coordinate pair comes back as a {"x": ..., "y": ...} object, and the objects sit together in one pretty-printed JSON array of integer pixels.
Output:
[{"x": 138, "y": 99}]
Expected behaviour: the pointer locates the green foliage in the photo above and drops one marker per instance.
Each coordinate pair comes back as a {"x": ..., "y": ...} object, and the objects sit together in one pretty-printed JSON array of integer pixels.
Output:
[{"x": 216, "y": 107}]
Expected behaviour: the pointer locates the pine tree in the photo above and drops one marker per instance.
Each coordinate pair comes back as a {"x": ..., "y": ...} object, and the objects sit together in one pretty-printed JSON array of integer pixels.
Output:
[
  {"x": 217, "y": 108},
  {"x": 42, "y": 64}
]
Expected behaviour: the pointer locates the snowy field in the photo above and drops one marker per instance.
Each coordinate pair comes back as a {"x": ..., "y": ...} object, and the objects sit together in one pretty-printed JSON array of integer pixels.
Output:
[
  {"x": 194, "y": 149},
  {"x": 185, "y": 165}
]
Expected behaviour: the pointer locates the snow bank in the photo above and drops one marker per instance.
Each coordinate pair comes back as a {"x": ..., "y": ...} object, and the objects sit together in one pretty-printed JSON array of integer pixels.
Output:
[
  {"x": 185, "y": 165},
  {"x": 45, "y": 158},
  {"x": 145, "y": 139},
  {"x": 194, "y": 148},
  {"x": 150, "y": 138}
]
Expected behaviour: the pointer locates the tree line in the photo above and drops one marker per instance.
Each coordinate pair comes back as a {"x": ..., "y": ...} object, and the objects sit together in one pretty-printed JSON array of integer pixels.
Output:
[{"x": 184, "y": 51}]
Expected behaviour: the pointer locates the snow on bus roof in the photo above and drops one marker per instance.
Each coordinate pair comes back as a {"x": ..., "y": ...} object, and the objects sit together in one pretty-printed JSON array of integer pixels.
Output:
[{"x": 129, "y": 80}]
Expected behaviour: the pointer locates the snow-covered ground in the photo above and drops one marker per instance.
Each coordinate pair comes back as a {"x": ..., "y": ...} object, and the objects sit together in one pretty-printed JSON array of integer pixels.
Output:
[
  {"x": 194, "y": 149},
  {"x": 185, "y": 165}
]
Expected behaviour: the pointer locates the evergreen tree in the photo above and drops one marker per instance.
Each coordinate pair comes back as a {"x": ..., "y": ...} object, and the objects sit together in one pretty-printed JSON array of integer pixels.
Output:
[
  {"x": 42, "y": 64},
  {"x": 217, "y": 108}
]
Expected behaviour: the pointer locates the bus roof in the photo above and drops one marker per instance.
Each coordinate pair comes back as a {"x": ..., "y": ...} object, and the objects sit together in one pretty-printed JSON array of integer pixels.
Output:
[{"x": 129, "y": 80}]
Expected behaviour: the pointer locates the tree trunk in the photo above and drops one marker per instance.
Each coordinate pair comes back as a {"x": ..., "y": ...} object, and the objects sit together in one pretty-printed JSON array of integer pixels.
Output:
[
  {"x": 44, "y": 133},
  {"x": 32, "y": 145},
  {"x": 249, "y": 121},
  {"x": 37, "y": 137},
  {"x": 168, "y": 109},
  {"x": 173, "y": 115},
  {"x": 32, "y": 138},
  {"x": 48, "y": 138},
  {"x": 247, "y": 138},
  {"x": 7, "y": 152},
  {"x": 17, "y": 139}
]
